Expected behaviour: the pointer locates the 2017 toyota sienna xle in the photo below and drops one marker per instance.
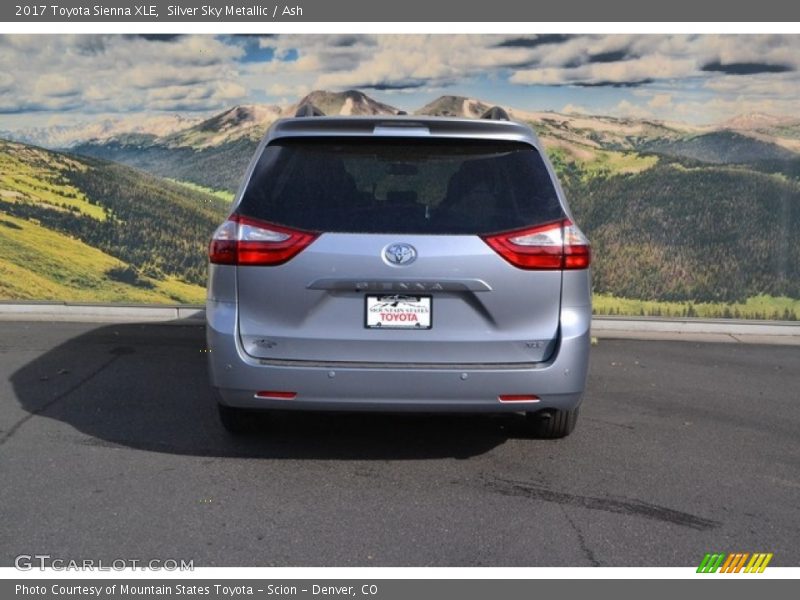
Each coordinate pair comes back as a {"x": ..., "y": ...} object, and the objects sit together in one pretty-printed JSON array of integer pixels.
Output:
[{"x": 400, "y": 264}]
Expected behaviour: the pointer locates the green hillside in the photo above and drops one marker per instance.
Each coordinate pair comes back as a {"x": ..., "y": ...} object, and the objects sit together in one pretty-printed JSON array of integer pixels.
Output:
[
  {"x": 87, "y": 230},
  {"x": 756, "y": 307},
  {"x": 698, "y": 232},
  {"x": 218, "y": 167},
  {"x": 720, "y": 147},
  {"x": 40, "y": 264}
]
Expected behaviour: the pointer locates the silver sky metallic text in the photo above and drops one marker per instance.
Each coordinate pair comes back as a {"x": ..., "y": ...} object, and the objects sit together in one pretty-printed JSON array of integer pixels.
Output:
[{"x": 229, "y": 10}]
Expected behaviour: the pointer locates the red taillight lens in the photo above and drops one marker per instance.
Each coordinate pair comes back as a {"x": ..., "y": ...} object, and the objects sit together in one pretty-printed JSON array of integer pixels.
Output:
[
  {"x": 222, "y": 249},
  {"x": 558, "y": 245},
  {"x": 577, "y": 252},
  {"x": 250, "y": 242}
]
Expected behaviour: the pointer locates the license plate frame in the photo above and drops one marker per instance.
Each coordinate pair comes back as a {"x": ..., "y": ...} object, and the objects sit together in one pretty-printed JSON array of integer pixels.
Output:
[{"x": 417, "y": 308}]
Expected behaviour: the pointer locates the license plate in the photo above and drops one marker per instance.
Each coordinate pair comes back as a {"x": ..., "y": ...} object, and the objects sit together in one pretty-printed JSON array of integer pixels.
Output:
[{"x": 398, "y": 311}]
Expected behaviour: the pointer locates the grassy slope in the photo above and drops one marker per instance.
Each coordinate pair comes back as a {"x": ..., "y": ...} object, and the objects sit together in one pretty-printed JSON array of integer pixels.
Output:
[
  {"x": 224, "y": 195},
  {"x": 593, "y": 165},
  {"x": 216, "y": 167},
  {"x": 756, "y": 307},
  {"x": 40, "y": 264},
  {"x": 41, "y": 261},
  {"x": 672, "y": 234},
  {"x": 35, "y": 175}
]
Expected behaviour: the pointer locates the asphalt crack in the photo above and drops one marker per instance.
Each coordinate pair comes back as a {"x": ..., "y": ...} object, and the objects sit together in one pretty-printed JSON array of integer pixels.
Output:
[
  {"x": 115, "y": 354},
  {"x": 623, "y": 506},
  {"x": 587, "y": 552}
]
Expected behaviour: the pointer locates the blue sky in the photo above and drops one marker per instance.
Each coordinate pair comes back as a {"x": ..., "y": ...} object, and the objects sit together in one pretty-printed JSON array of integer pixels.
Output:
[{"x": 62, "y": 79}]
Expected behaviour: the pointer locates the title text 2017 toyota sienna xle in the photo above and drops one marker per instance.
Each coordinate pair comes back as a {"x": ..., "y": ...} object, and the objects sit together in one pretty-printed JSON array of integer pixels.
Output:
[{"x": 400, "y": 263}]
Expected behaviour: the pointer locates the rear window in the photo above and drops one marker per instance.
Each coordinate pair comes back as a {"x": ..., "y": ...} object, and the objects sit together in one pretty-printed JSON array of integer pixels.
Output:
[{"x": 368, "y": 185}]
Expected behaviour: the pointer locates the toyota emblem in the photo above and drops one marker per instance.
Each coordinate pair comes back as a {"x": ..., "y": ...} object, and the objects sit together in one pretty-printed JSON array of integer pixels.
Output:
[{"x": 400, "y": 254}]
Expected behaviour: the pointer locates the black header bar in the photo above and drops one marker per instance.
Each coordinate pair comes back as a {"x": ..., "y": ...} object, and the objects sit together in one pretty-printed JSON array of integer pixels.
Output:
[{"x": 442, "y": 11}]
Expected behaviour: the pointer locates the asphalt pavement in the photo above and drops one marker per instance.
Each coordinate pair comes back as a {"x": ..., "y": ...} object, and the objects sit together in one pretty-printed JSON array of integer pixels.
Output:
[{"x": 110, "y": 448}]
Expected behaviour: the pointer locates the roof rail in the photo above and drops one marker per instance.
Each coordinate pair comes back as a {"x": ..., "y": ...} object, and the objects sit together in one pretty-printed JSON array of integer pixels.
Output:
[
  {"x": 496, "y": 114},
  {"x": 308, "y": 110}
]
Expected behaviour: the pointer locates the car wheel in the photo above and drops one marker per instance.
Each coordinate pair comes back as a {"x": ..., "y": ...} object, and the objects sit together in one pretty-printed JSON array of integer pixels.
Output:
[
  {"x": 236, "y": 420},
  {"x": 550, "y": 424}
]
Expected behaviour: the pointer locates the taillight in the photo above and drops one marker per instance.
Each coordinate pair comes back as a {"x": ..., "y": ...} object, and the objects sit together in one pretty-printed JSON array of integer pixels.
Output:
[
  {"x": 558, "y": 245},
  {"x": 251, "y": 242}
]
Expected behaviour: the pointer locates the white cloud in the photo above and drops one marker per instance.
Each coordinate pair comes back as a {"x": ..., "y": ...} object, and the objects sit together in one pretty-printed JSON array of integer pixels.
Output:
[
  {"x": 660, "y": 101},
  {"x": 646, "y": 68},
  {"x": 118, "y": 73},
  {"x": 290, "y": 90},
  {"x": 6, "y": 82},
  {"x": 575, "y": 109},
  {"x": 628, "y": 109},
  {"x": 56, "y": 85},
  {"x": 395, "y": 60}
]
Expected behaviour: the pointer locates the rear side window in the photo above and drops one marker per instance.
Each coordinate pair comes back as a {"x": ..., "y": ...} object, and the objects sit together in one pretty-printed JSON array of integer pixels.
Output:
[{"x": 368, "y": 185}]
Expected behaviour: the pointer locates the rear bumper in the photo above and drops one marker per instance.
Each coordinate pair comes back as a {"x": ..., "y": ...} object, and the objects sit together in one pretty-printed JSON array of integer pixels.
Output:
[{"x": 559, "y": 383}]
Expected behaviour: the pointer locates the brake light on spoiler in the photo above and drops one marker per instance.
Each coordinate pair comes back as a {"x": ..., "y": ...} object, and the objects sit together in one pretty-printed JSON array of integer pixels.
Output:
[
  {"x": 245, "y": 241},
  {"x": 556, "y": 245}
]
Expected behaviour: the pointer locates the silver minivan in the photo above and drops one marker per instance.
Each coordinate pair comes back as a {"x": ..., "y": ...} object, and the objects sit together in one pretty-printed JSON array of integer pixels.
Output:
[{"x": 400, "y": 263}]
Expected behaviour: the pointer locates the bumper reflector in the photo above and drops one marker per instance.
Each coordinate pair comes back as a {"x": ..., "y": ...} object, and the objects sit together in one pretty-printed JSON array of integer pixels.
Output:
[
  {"x": 518, "y": 398},
  {"x": 276, "y": 395}
]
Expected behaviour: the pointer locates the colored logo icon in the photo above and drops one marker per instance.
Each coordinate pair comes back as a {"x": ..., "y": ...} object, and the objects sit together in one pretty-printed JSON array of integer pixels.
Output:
[{"x": 720, "y": 562}]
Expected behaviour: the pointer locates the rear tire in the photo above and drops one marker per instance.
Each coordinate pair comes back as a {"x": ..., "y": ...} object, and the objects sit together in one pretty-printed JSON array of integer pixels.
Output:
[
  {"x": 551, "y": 424},
  {"x": 237, "y": 421}
]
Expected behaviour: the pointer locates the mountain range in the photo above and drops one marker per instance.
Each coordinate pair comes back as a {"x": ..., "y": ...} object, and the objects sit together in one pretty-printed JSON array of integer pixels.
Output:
[
  {"x": 105, "y": 128},
  {"x": 195, "y": 153},
  {"x": 251, "y": 120}
]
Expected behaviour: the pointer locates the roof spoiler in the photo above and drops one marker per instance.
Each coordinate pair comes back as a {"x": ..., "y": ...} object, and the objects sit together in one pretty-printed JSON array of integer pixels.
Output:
[
  {"x": 308, "y": 110},
  {"x": 496, "y": 114}
]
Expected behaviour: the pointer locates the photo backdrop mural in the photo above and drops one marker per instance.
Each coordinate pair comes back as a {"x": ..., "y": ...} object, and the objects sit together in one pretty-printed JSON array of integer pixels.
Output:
[{"x": 679, "y": 154}]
